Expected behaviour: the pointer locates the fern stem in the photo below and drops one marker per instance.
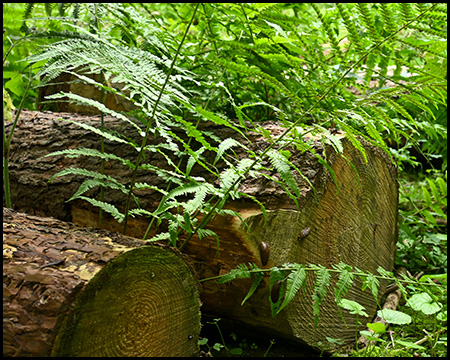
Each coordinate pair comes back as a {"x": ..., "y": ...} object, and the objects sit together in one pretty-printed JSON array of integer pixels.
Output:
[
  {"x": 247, "y": 22},
  {"x": 102, "y": 148},
  {"x": 257, "y": 270},
  {"x": 144, "y": 141},
  {"x": 209, "y": 215}
]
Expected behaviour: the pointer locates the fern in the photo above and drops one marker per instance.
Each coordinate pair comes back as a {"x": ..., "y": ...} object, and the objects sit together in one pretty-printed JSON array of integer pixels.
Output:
[
  {"x": 228, "y": 143},
  {"x": 345, "y": 281},
  {"x": 320, "y": 289},
  {"x": 283, "y": 167},
  {"x": 241, "y": 272},
  {"x": 370, "y": 281},
  {"x": 110, "y": 209},
  {"x": 103, "y": 133},
  {"x": 73, "y": 153},
  {"x": 295, "y": 280},
  {"x": 257, "y": 278}
]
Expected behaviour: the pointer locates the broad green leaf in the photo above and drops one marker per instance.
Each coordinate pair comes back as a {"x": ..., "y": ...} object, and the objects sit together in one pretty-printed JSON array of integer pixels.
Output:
[
  {"x": 423, "y": 302},
  {"x": 394, "y": 317}
]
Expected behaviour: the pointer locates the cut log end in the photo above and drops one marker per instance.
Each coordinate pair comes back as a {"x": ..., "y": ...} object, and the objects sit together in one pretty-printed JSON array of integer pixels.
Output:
[
  {"x": 143, "y": 303},
  {"x": 60, "y": 299}
]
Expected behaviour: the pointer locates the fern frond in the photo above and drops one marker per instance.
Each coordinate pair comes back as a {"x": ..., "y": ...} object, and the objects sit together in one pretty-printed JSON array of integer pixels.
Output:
[
  {"x": 369, "y": 21},
  {"x": 192, "y": 160},
  {"x": 257, "y": 278},
  {"x": 386, "y": 14},
  {"x": 370, "y": 281},
  {"x": 328, "y": 30},
  {"x": 226, "y": 144},
  {"x": 191, "y": 187},
  {"x": 241, "y": 272},
  {"x": 92, "y": 183},
  {"x": 345, "y": 281},
  {"x": 228, "y": 177},
  {"x": 110, "y": 209},
  {"x": 283, "y": 166},
  {"x": 85, "y": 172},
  {"x": 197, "y": 202},
  {"x": 256, "y": 72},
  {"x": 350, "y": 26},
  {"x": 210, "y": 116},
  {"x": 320, "y": 289},
  {"x": 103, "y": 133},
  {"x": 349, "y": 134},
  {"x": 192, "y": 131},
  {"x": 406, "y": 11},
  {"x": 295, "y": 281},
  {"x": 73, "y": 153}
]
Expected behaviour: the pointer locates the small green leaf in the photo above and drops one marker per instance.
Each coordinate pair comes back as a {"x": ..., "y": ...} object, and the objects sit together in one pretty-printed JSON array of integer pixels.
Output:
[
  {"x": 377, "y": 328},
  {"x": 236, "y": 351},
  {"x": 394, "y": 317}
]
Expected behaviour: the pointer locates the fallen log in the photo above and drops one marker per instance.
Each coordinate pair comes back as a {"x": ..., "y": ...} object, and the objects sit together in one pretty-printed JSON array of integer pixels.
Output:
[
  {"x": 71, "y": 291},
  {"x": 353, "y": 220}
]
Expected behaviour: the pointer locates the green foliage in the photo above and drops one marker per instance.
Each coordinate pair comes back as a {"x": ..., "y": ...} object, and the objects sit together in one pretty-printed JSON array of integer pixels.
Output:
[
  {"x": 422, "y": 223},
  {"x": 236, "y": 58},
  {"x": 376, "y": 71}
]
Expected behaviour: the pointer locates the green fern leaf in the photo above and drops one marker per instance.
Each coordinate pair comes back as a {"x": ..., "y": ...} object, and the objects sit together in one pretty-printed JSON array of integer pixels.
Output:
[
  {"x": 225, "y": 145},
  {"x": 294, "y": 282},
  {"x": 320, "y": 289},
  {"x": 110, "y": 209},
  {"x": 283, "y": 166},
  {"x": 92, "y": 183},
  {"x": 370, "y": 281},
  {"x": 197, "y": 202},
  {"x": 345, "y": 281},
  {"x": 257, "y": 278},
  {"x": 95, "y": 104},
  {"x": 241, "y": 272},
  {"x": 350, "y": 26},
  {"x": 369, "y": 21},
  {"x": 88, "y": 173},
  {"x": 100, "y": 132},
  {"x": 73, "y": 153},
  {"x": 386, "y": 14},
  {"x": 192, "y": 160}
]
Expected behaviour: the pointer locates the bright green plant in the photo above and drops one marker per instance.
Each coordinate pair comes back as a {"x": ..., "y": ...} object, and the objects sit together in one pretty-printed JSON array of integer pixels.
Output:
[
  {"x": 423, "y": 218},
  {"x": 146, "y": 67},
  {"x": 376, "y": 71}
]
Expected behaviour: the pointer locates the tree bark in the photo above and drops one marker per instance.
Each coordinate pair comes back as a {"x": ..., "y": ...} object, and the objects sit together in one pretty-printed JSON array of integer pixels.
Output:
[
  {"x": 354, "y": 222},
  {"x": 71, "y": 291}
]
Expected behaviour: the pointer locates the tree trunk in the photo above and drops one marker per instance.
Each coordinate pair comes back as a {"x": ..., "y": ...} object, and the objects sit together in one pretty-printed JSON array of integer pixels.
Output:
[
  {"x": 354, "y": 223},
  {"x": 71, "y": 291}
]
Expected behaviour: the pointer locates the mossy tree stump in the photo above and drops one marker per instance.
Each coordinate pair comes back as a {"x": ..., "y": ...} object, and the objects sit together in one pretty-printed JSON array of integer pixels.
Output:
[{"x": 69, "y": 291}]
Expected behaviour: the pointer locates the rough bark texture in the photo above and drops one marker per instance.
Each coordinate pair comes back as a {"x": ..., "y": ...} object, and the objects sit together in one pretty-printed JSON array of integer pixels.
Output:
[
  {"x": 355, "y": 223},
  {"x": 71, "y": 291}
]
